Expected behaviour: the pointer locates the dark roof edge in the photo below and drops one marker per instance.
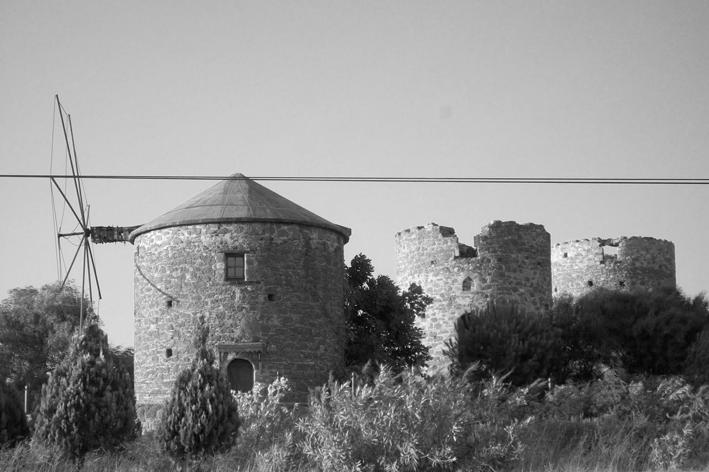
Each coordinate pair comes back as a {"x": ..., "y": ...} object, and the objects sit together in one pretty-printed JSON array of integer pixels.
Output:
[{"x": 341, "y": 230}]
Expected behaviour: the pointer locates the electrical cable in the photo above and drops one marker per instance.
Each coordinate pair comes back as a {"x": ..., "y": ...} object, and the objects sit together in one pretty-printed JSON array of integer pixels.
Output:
[{"x": 391, "y": 179}]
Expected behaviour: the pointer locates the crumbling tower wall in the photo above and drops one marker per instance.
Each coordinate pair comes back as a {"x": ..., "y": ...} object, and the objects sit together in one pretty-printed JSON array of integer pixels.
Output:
[
  {"x": 625, "y": 263},
  {"x": 509, "y": 262}
]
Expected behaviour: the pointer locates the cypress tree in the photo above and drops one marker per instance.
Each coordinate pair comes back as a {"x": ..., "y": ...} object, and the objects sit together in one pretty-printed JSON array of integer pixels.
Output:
[
  {"x": 201, "y": 414},
  {"x": 88, "y": 402}
]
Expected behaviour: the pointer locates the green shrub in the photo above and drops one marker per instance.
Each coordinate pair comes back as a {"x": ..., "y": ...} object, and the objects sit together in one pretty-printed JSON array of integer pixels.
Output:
[
  {"x": 201, "y": 415},
  {"x": 266, "y": 434},
  {"x": 13, "y": 423},
  {"x": 88, "y": 401},
  {"x": 263, "y": 416},
  {"x": 406, "y": 423},
  {"x": 655, "y": 333},
  {"x": 501, "y": 338},
  {"x": 644, "y": 332}
]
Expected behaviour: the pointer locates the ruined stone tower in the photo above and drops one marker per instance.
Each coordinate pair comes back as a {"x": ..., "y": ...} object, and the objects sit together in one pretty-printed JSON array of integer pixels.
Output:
[
  {"x": 626, "y": 263},
  {"x": 266, "y": 274},
  {"x": 509, "y": 263}
]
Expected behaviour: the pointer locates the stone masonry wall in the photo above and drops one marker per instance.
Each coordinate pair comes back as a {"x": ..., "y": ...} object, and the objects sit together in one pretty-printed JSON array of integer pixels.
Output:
[
  {"x": 626, "y": 263},
  {"x": 509, "y": 263},
  {"x": 291, "y": 301}
]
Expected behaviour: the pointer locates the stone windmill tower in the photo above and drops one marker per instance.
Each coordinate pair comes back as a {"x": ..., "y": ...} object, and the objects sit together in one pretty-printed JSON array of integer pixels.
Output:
[{"x": 266, "y": 274}]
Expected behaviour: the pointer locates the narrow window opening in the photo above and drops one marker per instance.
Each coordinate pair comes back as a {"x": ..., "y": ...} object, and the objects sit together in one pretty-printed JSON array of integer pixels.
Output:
[
  {"x": 168, "y": 352},
  {"x": 621, "y": 283},
  {"x": 566, "y": 254},
  {"x": 234, "y": 266},
  {"x": 590, "y": 283},
  {"x": 168, "y": 303},
  {"x": 467, "y": 284}
]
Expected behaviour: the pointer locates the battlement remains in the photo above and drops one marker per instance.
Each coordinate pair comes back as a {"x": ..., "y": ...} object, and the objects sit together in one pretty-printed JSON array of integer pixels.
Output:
[
  {"x": 624, "y": 263},
  {"x": 509, "y": 262}
]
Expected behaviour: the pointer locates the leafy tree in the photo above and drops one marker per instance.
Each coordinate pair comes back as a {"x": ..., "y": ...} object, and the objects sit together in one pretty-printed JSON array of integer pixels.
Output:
[
  {"x": 201, "y": 414},
  {"x": 13, "y": 424},
  {"x": 36, "y": 328},
  {"x": 381, "y": 319},
  {"x": 88, "y": 402}
]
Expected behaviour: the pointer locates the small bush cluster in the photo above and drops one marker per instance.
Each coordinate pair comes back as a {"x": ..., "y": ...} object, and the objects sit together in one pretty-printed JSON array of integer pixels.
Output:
[{"x": 263, "y": 415}]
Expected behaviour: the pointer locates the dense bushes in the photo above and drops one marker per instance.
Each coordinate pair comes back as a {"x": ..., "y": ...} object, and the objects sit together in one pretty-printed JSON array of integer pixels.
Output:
[
  {"x": 646, "y": 333},
  {"x": 200, "y": 417},
  {"x": 13, "y": 424},
  {"x": 407, "y": 422},
  {"x": 88, "y": 401},
  {"x": 502, "y": 339}
]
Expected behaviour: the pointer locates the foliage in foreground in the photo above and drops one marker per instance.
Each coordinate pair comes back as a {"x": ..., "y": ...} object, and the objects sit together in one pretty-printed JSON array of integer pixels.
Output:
[
  {"x": 201, "y": 415},
  {"x": 407, "y": 422},
  {"x": 88, "y": 401},
  {"x": 411, "y": 423}
]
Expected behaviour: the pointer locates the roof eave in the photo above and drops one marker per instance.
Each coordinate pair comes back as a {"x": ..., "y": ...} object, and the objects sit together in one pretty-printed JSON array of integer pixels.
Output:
[{"x": 341, "y": 230}]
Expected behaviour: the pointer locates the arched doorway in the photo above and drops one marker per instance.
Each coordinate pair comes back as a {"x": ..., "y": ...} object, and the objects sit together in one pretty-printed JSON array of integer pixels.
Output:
[{"x": 241, "y": 375}]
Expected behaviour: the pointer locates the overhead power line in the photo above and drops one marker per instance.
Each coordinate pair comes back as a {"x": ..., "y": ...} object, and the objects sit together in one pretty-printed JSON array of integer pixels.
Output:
[{"x": 389, "y": 179}]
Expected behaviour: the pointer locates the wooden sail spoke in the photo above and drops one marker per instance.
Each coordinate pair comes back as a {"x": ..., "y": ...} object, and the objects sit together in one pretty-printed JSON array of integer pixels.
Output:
[
  {"x": 71, "y": 207},
  {"x": 73, "y": 260}
]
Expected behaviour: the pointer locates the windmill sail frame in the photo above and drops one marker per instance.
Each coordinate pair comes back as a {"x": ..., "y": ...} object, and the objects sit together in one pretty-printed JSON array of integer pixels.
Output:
[{"x": 82, "y": 218}]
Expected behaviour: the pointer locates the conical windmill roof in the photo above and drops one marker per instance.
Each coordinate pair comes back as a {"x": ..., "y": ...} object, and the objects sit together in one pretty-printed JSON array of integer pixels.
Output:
[{"x": 238, "y": 200}]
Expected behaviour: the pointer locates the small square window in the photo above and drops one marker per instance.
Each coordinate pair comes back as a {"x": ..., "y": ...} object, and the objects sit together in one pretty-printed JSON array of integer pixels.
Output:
[{"x": 234, "y": 267}]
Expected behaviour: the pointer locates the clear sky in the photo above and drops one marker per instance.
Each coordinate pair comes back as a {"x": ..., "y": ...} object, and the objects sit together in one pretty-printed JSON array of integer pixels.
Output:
[{"x": 407, "y": 88}]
